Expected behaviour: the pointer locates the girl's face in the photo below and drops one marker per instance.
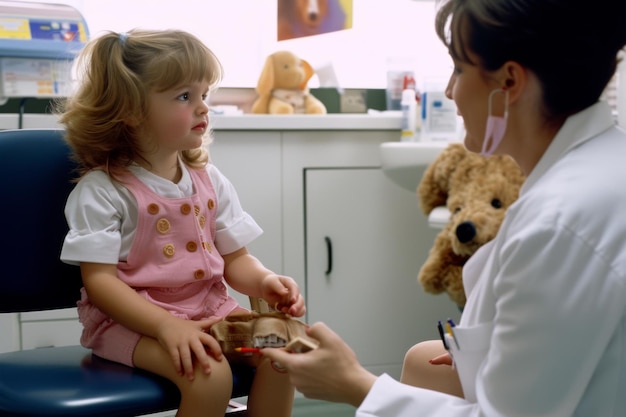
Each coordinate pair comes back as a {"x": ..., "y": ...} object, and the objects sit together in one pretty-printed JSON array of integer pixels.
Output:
[
  {"x": 469, "y": 88},
  {"x": 178, "y": 118}
]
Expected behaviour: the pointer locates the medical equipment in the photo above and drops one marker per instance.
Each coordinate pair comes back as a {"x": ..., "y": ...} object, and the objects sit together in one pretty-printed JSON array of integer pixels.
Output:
[{"x": 37, "y": 45}]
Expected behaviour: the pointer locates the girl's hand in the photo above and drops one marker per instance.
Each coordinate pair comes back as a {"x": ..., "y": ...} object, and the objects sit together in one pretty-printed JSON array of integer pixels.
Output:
[
  {"x": 331, "y": 372},
  {"x": 282, "y": 293},
  {"x": 186, "y": 340}
]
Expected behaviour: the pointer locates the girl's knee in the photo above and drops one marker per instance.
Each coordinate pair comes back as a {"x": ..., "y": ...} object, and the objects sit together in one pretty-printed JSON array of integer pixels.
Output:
[
  {"x": 206, "y": 394},
  {"x": 272, "y": 392},
  {"x": 218, "y": 382},
  {"x": 266, "y": 369}
]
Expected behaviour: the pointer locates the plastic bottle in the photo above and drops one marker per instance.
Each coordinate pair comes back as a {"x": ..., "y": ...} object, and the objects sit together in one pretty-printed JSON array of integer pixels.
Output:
[
  {"x": 439, "y": 119},
  {"x": 408, "y": 106},
  {"x": 408, "y": 83}
]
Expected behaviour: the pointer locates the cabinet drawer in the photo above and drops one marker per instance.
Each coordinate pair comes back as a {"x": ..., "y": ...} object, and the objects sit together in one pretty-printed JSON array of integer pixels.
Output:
[
  {"x": 60, "y": 314},
  {"x": 37, "y": 334}
]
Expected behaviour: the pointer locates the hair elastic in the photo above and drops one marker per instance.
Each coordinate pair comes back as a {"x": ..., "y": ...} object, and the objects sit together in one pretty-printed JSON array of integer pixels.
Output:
[{"x": 123, "y": 36}]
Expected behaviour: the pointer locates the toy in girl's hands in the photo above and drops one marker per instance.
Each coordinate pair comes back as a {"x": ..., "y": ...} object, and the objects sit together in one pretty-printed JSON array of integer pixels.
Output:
[
  {"x": 300, "y": 345},
  {"x": 477, "y": 191},
  {"x": 297, "y": 345},
  {"x": 283, "y": 89},
  {"x": 239, "y": 335}
]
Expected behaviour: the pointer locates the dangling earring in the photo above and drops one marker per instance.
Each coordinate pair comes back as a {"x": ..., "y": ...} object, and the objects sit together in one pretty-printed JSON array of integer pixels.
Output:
[{"x": 496, "y": 125}]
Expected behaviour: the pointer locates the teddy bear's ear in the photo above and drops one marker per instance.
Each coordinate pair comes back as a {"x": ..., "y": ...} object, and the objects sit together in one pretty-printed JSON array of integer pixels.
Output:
[
  {"x": 308, "y": 73},
  {"x": 512, "y": 171},
  {"x": 430, "y": 193},
  {"x": 265, "y": 84},
  {"x": 434, "y": 187}
]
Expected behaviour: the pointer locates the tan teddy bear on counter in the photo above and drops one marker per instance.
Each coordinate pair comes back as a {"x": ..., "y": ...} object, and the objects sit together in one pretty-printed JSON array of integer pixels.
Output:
[
  {"x": 283, "y": 87},
  {"x": 477, "y": 191}
]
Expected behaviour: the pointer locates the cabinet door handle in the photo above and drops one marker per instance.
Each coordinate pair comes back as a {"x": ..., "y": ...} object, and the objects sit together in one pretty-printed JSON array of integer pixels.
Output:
[{"x": 329, "y": 251}]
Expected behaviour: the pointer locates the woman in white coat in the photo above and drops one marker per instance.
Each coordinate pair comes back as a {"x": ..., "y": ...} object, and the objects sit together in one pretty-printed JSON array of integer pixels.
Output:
[{"x": 543, "y": 332}]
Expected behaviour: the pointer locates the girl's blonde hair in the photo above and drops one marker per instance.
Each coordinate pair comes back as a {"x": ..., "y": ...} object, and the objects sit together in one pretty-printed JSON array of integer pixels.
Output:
[{"x": 103, "y": 119}]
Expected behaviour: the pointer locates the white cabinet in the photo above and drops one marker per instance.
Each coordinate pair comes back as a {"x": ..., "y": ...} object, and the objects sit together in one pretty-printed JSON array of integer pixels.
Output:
[
  {"x": 318, "y": 149},
  {"x": 252, "y": 162},
  {"x": 9, "y": 333},
  {"x": 365, "y": 242},
  {"x": 49, "y": 328},
  {"x": 33, "y": 330}
]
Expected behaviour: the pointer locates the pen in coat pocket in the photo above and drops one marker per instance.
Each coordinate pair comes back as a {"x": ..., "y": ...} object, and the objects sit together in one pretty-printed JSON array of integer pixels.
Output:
[
  {"x": 450, "y": 328},
  {"x": 442, "y": 335}
]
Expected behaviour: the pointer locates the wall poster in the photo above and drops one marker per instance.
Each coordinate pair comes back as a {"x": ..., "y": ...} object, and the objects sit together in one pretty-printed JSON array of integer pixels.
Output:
[{"x": 300, "y": 18}]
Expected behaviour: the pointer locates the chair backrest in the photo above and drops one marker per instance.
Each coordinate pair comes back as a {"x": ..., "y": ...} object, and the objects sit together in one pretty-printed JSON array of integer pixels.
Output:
[{"x": 36, "y": 175}]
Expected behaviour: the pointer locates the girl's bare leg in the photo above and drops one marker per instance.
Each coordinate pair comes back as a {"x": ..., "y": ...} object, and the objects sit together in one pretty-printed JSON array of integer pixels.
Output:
[
  {"x": 417, "y": 371},
  {"x": 206, "y": 395},
  {"x": 271, "y": 393}
]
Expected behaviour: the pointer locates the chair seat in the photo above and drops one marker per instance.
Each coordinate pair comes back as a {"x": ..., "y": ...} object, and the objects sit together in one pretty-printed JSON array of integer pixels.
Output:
[{"x": 70, "y": 381}]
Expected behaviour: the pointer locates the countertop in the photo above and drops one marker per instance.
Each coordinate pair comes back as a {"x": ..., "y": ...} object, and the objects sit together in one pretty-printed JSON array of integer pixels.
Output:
[{"x": 375, "y": 121}]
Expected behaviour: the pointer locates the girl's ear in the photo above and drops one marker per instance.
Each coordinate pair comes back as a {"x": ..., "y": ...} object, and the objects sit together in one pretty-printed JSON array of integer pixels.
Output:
[{"x": 131, "y": 121}]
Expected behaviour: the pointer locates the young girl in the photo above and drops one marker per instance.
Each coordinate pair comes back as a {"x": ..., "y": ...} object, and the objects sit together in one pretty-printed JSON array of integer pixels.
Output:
[{"x": 155, "y": 227}]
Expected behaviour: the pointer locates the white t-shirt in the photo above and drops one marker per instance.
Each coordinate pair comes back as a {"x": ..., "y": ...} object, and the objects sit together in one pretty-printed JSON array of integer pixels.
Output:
[{"x": 102, "y": 215}]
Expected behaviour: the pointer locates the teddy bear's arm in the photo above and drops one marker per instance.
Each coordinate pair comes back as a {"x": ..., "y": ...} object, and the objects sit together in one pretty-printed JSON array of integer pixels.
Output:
[
  {"x": 442, "y": 270},
  {"x": 453, "y": 283},
  {"x": 261, "y": 104},
  {"x": 278, "y": 106},
  {"x": 313, "y": 105},
  {"x": 436, "y": 279}
]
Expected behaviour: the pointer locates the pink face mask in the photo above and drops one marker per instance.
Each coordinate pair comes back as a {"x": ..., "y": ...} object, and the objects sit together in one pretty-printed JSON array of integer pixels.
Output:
[{"x": 496, "y": 125}]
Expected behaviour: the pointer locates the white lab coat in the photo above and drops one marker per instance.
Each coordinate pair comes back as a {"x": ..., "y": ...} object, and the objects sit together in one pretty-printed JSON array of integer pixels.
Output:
[{"x": 544, "y": 328}]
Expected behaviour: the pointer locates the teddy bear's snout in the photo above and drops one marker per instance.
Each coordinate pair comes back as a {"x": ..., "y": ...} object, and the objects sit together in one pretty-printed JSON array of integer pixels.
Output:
[{"x": 465, "y": 231}]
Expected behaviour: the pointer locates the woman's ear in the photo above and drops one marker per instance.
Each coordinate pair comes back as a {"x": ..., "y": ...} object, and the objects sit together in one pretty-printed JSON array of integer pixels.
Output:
[{"x": 514, "y": 79}]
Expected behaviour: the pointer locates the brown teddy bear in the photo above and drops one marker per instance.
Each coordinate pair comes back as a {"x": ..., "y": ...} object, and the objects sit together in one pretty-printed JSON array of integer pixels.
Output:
[
  {"x": 477, "y": 191},
  {"x": 283, "y": 87}
]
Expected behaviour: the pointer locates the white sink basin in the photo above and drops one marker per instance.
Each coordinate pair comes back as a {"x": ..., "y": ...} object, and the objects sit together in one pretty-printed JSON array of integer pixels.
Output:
[{"x": 404, "y": 162}]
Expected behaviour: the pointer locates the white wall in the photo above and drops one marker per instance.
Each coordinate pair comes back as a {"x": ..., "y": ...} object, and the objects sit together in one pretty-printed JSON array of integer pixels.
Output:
[{"x": 243, "y": 32}]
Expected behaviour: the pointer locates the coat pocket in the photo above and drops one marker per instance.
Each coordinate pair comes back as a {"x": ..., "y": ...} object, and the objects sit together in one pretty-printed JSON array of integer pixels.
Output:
[{"x": 468, "y": 347}]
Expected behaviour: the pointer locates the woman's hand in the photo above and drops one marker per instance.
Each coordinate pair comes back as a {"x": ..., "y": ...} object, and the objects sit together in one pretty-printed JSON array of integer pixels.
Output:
[
  {"x": 188, "y": 340},
  {"x": 283, "y": 294},
  {"x": 331, "y": 372}
]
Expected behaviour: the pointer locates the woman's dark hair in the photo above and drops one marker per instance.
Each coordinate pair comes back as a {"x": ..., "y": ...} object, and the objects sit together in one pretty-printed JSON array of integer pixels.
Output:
[{"x": 570, "y": 45}]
